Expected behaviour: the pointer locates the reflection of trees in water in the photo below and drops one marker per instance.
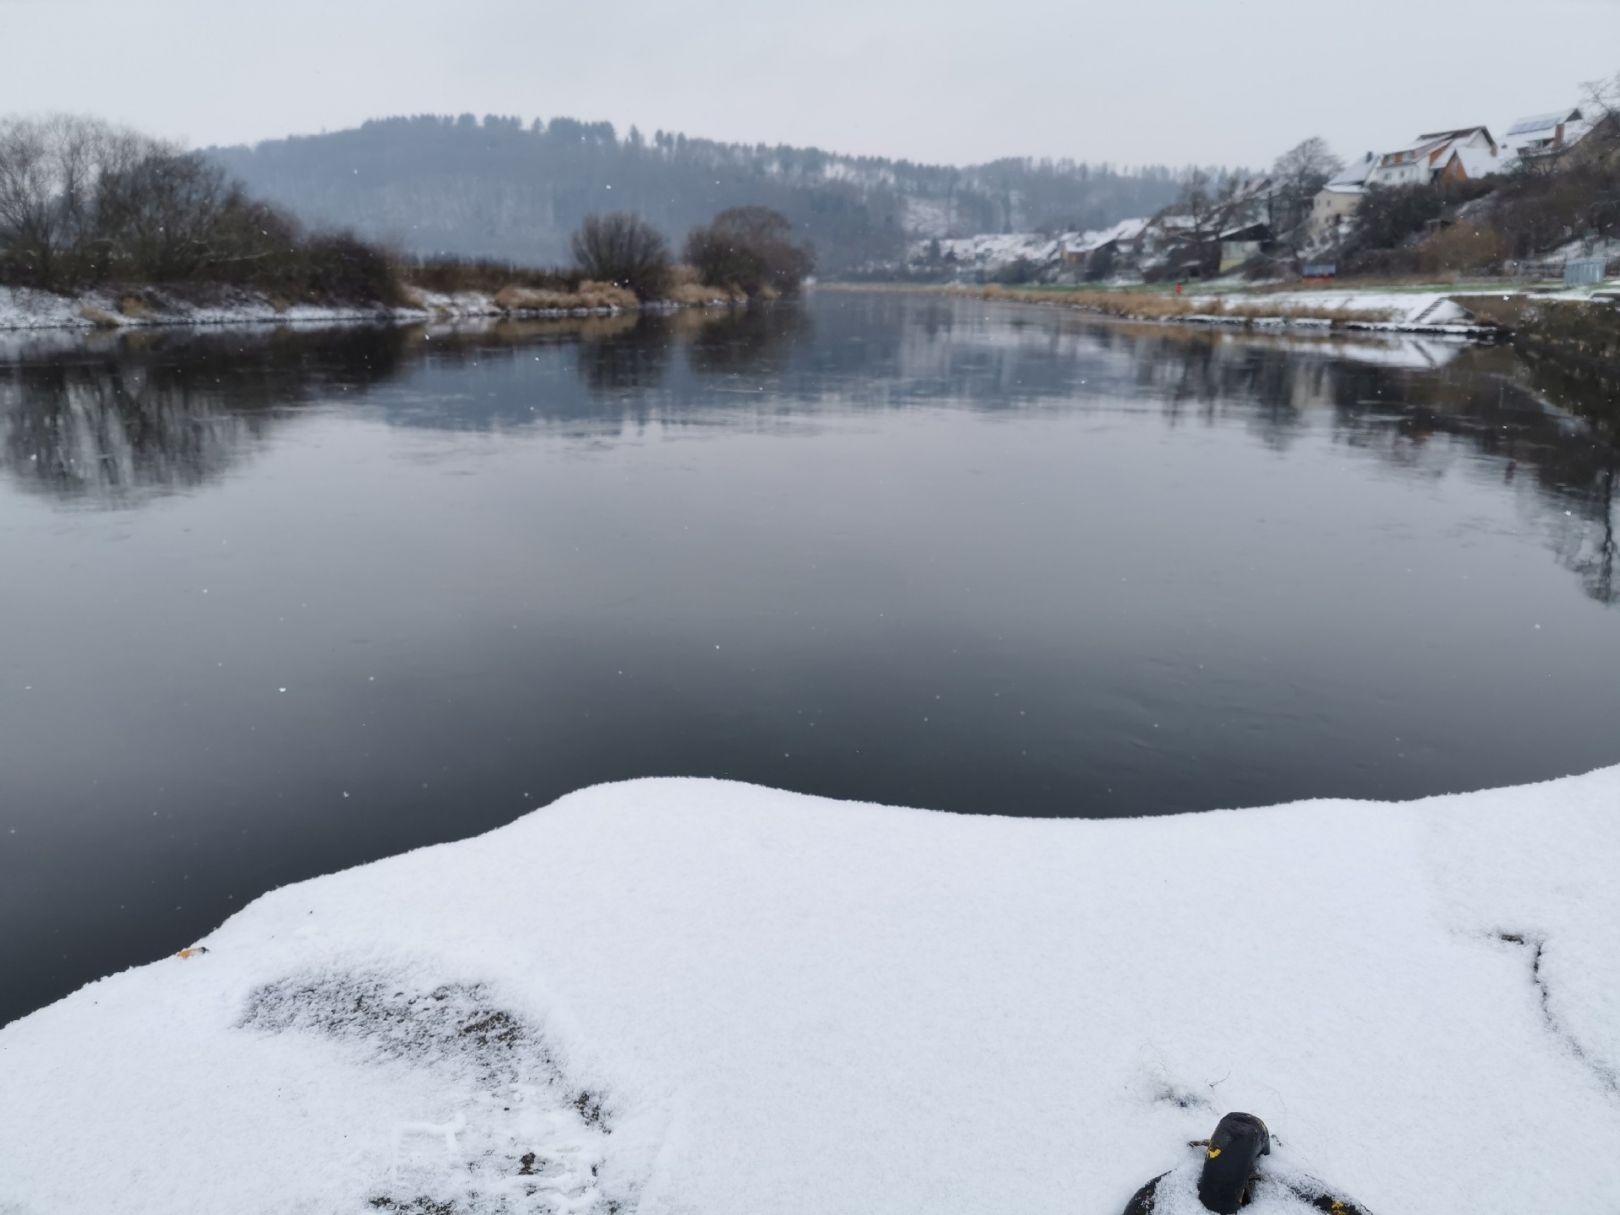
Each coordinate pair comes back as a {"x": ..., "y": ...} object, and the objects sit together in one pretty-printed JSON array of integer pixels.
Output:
[
  {"x": 1408, "y": 405},
  {"x": 1587, "y": 546},
  {"x": 753, "y": 341},
  {"x": 1564, "y": 463},
  {"x": 114, "y": 421},
  {"x": 630, "y": 358},
  {"x": 1486, "y": 400}
]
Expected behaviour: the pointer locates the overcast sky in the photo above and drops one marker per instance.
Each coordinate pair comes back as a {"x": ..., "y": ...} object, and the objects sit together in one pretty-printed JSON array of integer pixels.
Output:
[{"x": 1134, "y": 81}]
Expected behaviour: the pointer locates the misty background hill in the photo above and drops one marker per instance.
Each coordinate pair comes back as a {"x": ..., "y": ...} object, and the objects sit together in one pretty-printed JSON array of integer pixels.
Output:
[{"x": 497, "y": 187}]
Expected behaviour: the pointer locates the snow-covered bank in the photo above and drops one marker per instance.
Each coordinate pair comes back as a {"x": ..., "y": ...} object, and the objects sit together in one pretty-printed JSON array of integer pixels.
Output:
[
  {"x": 1417, "y": 312},
  {"x": 21, "y": 308},
  {"x": 1403, "y": 311},
  {"x": 698, "y": 996}
]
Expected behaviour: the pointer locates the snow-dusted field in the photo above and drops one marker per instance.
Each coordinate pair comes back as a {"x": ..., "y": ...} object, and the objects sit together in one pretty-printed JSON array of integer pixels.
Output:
[{"x": 691, "y": 996}]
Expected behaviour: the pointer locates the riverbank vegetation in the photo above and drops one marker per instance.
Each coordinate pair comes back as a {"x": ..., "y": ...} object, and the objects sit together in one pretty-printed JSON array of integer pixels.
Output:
[
  {"x": 84, "y": 204},
  {"x": 89, "y": 207},
  {"x": 750, "y": 249}
]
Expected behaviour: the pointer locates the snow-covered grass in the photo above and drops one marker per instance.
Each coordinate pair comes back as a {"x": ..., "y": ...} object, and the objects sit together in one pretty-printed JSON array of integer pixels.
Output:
[
  {"x": 21, "y": 308},
  {"x": 694, "y": 996}
]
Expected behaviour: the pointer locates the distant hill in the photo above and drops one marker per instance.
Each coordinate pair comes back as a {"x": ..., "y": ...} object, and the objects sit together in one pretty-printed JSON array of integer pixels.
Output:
[{"x": 498, "y": 188}]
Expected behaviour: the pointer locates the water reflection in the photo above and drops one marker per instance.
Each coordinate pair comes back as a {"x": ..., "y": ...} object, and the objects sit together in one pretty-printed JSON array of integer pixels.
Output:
[
  {"x": 297, "y": 600},
  {"x": 112, "y": 421}
]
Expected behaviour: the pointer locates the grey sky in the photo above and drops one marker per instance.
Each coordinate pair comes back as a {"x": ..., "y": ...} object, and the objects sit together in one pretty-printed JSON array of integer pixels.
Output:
[{"x": 1232, "y": 81}]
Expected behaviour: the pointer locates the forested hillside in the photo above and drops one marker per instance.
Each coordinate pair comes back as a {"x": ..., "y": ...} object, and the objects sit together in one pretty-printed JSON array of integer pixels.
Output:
[{"x": 497, "y": 187}]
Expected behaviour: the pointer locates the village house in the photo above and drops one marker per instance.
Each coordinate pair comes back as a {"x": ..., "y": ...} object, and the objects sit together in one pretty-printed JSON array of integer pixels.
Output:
[
  {"x": 1438, "y": 156},
  {"x": 1335, "y": 203},
  {"x": 1242, "y": 244},
  {"x": 1096, "y": 255},
  {"x": 1544, "y": 135},
  {"x": 1465, "y": 154}
]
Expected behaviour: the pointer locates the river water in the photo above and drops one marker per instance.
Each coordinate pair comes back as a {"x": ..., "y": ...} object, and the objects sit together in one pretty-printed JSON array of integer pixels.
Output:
[{"x": 275, "y": 603}]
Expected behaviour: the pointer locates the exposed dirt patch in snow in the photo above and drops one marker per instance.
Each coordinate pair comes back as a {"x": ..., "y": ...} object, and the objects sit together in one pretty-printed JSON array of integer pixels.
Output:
[{"x": 524, "y": 1142}]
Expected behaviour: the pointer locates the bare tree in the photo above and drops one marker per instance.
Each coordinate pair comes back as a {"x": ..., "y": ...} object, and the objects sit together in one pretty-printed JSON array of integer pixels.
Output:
[
  {"x": 1193, "y": 224},
  {"x": 27, "y": 216},
  {"x": 625, "y": 249},
  {"x": 750, "y": 248},
  {"x": 1297, "y": 178},
  {"x": 1601, "y": 108},
  {"x": 85, "y": 203},
  {"x": 161, "y": 215},
  {"x": 53, "y": 173}
]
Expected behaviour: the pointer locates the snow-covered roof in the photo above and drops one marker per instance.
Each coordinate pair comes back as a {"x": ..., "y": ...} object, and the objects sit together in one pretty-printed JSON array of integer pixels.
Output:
[
  {"x": 1432, "y": 145},
  {"x": 1476, "y": 162},
  {"x": 1458, "y": 133},
  {"x": 1245, "y": 232},
  {"x": 1412, "y": 152},
  {"x": 1353, "y": 176},
  {"x": 991, "y": 249},
  {"x": 1130, "y": 229},
  {"x": 1547, "y": 132},
  {"x": 1086, "y": 242},
  {"x": 1539, "y": 124}
]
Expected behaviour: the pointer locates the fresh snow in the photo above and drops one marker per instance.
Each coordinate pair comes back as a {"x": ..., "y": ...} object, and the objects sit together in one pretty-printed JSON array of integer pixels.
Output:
[
  {"x": 1404, "y": 309},
  {"x": 989, "y": 251},
  {"x": 24, "y": 309},
  {"x": 697, "y": 996}
]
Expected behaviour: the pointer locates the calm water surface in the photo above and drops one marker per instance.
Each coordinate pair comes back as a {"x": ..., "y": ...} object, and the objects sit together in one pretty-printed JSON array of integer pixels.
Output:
[{"x": 277, "y": 603}]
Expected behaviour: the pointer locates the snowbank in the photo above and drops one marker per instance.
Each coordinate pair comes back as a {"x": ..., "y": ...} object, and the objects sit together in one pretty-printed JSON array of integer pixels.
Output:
[
  {"x": 693, "y": 996},
  {"x": 1408, "y": 311},
  {"x": 22, "y": 308}
]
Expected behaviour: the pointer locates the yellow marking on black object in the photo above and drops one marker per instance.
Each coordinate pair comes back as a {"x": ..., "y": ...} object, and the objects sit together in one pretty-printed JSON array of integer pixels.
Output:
[{"x": 1214, "y": 1152}]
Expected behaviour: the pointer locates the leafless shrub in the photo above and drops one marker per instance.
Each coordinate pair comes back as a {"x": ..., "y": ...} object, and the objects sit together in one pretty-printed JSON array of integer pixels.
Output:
[
  {"x": 623, "y": 249},
  {"x": 750, "y": 249}
]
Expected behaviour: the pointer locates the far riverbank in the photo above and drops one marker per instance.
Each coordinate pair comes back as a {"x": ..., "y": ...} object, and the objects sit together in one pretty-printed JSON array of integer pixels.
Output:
[{"x": 1470, "y": 313}]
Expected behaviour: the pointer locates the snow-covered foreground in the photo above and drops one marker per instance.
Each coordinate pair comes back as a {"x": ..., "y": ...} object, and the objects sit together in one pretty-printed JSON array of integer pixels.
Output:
[{"x": 692, "y": 996}]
